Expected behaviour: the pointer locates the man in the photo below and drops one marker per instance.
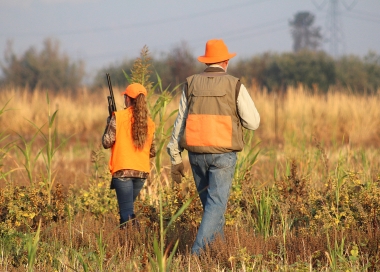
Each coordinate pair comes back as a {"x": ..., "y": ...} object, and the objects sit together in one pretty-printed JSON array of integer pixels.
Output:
[{"x": 213, "y": 108}]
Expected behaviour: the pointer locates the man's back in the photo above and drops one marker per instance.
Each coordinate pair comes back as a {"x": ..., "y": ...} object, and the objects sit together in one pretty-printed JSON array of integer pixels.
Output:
[{"x": 212, "y": 124}]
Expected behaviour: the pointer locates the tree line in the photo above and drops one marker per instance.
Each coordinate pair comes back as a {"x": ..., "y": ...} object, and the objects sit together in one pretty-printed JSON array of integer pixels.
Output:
[
  {"x": 46, "y": 69},
  {"x": 312, "y": 69}
]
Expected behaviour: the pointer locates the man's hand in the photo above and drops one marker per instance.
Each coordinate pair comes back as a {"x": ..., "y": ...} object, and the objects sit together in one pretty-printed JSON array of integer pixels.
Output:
[{"x": 177, "y": 172}]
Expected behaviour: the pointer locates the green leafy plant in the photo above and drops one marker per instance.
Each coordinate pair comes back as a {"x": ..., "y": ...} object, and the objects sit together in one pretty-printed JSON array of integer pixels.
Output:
[
  {"x": 48, "y": 150},
  {"x": 335, "y": 254},
  {"x": 97, "y": 198},
  {"x": 164, "y": 256},
  {"x": 6, "y": 147},
  {"x": 263, "y": 212},
  {"x": 101, "y": 252},
  {"x": 32, "y": 245},
  {"x": 158, "y": 111},
  {"x": 30, "y": 158},
  {"x": 50, "y": 141},
  {"x": 247, "y": 158}
]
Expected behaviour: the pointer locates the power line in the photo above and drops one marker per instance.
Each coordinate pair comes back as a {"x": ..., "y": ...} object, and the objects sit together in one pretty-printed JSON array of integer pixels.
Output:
[
  {"x": 249, "y": 30},
  {"x": 360, "y": 17},
  {"x": 242, "y": 33},
  {"x": 366, "y": 13},
  {"x": 256, "y": 33}
]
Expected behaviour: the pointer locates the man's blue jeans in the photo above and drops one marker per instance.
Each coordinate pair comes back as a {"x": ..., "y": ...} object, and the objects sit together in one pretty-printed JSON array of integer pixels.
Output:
[
  {"x": 213, "y": 175},
  {"x": 127, "y": 189}
]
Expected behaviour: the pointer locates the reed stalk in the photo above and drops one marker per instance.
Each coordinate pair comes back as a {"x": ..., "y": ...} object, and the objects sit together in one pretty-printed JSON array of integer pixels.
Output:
[
  {"x": 32, "y": 246},
  {"x": 164, "y": 256}
]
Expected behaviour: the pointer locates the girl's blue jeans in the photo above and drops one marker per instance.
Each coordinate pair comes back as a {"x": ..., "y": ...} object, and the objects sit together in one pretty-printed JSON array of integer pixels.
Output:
[{"x": 127, "y": 189}]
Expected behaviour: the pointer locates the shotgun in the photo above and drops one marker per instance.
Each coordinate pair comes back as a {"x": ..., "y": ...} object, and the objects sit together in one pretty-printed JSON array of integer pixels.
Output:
[{"x": 110, "y": 98}]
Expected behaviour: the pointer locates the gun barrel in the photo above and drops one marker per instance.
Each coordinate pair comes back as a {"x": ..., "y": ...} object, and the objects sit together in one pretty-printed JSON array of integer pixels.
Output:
[
  {"x": 109, "y": 105},
  {"x": 111, "y": 98},
  {"x": 109, "y": 83}
]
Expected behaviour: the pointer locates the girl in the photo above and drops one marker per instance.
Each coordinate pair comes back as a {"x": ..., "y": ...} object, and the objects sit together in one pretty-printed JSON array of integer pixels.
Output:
[{"x": 129, "y": 134}]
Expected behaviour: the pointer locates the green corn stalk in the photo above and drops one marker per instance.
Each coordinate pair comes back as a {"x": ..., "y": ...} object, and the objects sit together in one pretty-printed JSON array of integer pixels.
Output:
[
  {"x": 30, "y": 160},
  {"x": 287, "y": 168},
  {"x": 286, "y": 224},
  {"x": 102, "y": 251},
  {"x": 158, "y": 111},
  {"x": 335, "y": 254},
  {"x": 50, "y": 149},
  {"x": 341, "y": 178},
  {"x": 7, "y": 147},
  {"x": 247, "y": 158},
  {"x": 82, "y": 262},
  {"x": 32, "y": 245},
  {"x": 263, "y": 207},
  {"x": 164, "y": 257}
]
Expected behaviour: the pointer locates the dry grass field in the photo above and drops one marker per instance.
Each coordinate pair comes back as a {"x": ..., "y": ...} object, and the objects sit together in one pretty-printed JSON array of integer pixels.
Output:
[{"x": 309, "y": 201}]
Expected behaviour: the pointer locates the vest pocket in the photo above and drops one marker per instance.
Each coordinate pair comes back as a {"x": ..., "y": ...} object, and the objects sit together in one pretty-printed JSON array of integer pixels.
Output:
[{"x": 209, "y": 130}]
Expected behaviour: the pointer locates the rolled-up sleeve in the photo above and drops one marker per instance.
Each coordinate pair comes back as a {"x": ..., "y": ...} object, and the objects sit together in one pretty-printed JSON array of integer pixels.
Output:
[
  {"x": 109, "y": 135},
  {"x": 173, "y": 148},
  {"x": 249, "y": 116},
  {"x": 152, "y": 151}
]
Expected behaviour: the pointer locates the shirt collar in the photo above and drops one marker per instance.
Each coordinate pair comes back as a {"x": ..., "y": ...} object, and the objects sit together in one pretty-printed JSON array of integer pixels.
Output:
[{"x": 215, "y": 65}]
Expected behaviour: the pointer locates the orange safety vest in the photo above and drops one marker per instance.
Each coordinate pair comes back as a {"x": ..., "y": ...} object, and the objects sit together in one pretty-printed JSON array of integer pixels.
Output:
[{"x": 124, "y": 154}]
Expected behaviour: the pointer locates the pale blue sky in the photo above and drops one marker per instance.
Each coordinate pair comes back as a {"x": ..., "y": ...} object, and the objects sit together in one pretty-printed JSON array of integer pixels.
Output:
[{"x": 101, "y": 32}]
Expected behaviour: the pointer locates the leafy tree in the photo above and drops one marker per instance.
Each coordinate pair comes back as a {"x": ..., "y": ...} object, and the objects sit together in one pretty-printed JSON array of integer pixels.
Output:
[
  {"x": 48, "y": 69},
  {"x": 359, "y": 75},
  {"x": 278, "y": 71},
  {"x": 182, "y": 62},
  {"x": 351, "y": 73},
  {"x": 308, "y": 68},
  {"x": 305, "y": 35},
  {"x": 252, "y": 69},
  {"x": 372, "y": 67}
]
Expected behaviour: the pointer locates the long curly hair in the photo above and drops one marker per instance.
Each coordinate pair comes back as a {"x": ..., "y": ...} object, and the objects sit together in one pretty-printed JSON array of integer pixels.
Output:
[{"x": 139, "y": 121}]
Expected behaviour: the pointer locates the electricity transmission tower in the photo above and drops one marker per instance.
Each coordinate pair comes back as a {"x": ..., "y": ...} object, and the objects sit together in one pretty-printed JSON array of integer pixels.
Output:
[{"x": 334, "y": 31}]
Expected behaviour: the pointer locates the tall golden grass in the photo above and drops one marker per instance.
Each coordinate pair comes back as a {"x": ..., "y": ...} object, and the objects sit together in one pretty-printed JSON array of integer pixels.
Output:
[
  {"x": 290, "y": 122},
  {"x": 332, "y": 118}
]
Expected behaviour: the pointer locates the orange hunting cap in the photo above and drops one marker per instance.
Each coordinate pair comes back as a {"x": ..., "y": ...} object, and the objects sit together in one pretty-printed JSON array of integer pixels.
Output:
[
  {"x": 134, "y": 89},
  {"x": 216, "y": 51}
]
